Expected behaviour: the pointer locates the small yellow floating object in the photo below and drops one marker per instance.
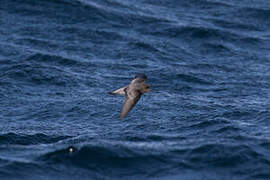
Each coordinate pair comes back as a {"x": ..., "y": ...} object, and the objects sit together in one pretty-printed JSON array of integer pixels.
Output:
[{"x": 70, "y": 150}]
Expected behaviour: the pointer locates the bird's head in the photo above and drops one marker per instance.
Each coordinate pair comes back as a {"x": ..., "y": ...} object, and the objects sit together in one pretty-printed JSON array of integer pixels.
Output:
[{"x": 140, "y": 76}]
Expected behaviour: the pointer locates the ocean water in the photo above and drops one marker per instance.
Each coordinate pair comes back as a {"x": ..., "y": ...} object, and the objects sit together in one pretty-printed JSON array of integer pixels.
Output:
[{"x": 207, "y": 117}]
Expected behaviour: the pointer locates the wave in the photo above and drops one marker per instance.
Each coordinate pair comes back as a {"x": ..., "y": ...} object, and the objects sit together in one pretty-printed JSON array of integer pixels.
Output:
[
  {"x": 84, "y": 11},
  {"x": 37, "y": 75},
  {"x": 203, "y": 4},
  {"x": 23, "y": 139},
  {"x": 54, "y": 60},
  {"x": 126, "y": 161},
  {"x": 40, "y": 73},
  {"x": 234, "y": 25},
  {"x": 211, "y": 123},
  {"x": 258, "y": 14},
  {"x": 215, "y": 49},
  {"x": 193, "y": 79},
  {"x": 207, "y": 67},
  {"x": 191, "y": 33},
  {"x": 154, "y": 138},
  {"x": 113, "y": 160}
]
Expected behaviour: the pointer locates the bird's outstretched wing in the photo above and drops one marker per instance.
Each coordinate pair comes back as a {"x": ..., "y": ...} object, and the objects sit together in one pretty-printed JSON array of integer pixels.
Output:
[
  {"x": 132, "y": 97},
  {"x": 120, "y": 91}
]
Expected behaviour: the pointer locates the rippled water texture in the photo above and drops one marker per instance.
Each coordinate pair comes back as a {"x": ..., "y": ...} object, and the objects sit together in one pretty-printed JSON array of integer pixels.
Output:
[{"x": 206, "y": 118}]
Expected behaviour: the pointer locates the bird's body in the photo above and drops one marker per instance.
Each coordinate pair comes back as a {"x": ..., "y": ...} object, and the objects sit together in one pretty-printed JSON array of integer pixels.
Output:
[{"x": 133, "y": 93}]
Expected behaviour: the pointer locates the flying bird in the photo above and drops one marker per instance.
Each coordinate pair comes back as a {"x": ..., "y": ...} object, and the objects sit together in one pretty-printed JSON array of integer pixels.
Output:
[{"x": 133, "y": 92}]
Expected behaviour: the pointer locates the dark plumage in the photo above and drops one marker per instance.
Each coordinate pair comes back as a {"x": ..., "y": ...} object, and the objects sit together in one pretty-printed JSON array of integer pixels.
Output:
[{"x": 133, "y": 92}]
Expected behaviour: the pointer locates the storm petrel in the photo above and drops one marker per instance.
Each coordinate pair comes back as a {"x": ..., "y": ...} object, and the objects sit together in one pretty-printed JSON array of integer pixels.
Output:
[{"x": 133, "y": 92}]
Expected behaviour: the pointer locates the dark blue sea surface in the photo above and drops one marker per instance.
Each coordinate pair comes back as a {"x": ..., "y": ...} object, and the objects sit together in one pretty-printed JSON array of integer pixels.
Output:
[{"x": 207, "y": 117}]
